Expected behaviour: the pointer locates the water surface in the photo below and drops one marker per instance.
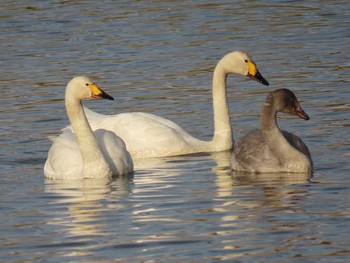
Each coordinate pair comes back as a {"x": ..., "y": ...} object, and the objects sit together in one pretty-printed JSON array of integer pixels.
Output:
[{"x": 158, "y": 57}]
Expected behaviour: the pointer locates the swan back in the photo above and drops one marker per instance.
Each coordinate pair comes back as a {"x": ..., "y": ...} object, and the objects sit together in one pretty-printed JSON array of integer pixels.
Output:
[
  {"x": 63, "y": 160},
  {"x": 114, "y": 150}
]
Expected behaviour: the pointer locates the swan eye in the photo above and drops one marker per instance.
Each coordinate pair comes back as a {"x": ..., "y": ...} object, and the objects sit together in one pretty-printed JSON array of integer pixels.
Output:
[
  {"x": 246, "y": 60},
  {"x": 87, "y": 84}
]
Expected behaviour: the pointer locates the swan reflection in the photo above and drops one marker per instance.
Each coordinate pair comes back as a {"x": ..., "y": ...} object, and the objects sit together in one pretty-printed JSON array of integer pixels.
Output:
[
  {"x": 258, "y": 204},
  {"x": 80, "y": 204},
  {"x": 180, "y": 199}
]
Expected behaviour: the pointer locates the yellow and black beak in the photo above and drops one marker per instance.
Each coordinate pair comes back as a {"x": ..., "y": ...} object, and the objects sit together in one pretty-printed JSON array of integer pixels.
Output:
[
  {"x": 98, "y": 93},
  {"x": 254, "y": 74}
]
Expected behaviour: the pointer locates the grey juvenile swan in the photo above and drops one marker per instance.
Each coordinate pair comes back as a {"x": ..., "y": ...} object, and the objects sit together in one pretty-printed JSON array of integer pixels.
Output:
[{"x": 270, "y": 149}]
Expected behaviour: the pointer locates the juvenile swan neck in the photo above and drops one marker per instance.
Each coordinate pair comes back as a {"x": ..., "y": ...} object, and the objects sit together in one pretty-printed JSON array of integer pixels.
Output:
[
  {"x": 268, "y": 121},
  {"x": 278, "y": 144},
  {"x": 94, "y": 163},
  {"x": 223, "y": 137}
]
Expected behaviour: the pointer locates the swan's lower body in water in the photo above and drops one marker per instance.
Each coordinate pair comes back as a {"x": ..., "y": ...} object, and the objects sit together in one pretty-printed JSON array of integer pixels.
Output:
[{"x": 257, "y": 157}]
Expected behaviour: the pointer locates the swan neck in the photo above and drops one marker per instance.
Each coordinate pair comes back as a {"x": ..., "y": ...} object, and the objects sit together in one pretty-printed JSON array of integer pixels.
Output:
[
  {"x": 90, "y": 151},
  {"x": 268, "y": 120},
  {"x": 223, "y": 137},
  {"x": 275, "y": 139}
]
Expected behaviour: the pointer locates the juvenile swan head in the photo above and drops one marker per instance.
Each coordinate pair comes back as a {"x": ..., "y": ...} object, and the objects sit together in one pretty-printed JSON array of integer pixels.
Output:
[{"x": 285, "y": 101}]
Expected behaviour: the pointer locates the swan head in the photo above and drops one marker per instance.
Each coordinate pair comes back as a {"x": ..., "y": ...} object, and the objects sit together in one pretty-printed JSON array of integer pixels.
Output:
[
  {"x": 83, "y": 87},
  {"x": 240, "y": 63},
  {"x": 284, "y": 100}
]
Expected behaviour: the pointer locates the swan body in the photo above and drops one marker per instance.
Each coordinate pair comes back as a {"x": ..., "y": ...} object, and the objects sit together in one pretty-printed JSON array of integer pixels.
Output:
[
  {"x": 270, "y": 149},
  {"x": 84, "y": 153},
  {"x": 147, "y": 135}
]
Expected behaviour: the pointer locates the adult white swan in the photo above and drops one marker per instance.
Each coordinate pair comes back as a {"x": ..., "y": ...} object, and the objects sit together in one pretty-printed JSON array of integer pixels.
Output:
[
  {"x": 84, "y": 153},
  {"x": 148, "y": 135},
  {"x": 269, "y": 149}
]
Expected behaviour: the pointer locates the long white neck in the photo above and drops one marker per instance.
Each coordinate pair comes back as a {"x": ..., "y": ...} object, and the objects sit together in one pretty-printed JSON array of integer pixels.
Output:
[
  {"x": 94, "y": 162},
  {"x": 223, "y": 137},
  {"x": 278, "y": 144}
]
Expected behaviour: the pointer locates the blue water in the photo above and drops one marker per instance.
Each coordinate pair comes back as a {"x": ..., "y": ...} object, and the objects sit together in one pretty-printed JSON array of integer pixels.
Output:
[{"x": 158, "y": 57}]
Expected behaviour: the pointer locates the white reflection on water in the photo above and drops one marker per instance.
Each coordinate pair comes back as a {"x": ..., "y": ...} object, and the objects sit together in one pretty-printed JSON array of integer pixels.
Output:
[
  {"x": 155, "y": 208},
  {"x": 86, "y": 201}
]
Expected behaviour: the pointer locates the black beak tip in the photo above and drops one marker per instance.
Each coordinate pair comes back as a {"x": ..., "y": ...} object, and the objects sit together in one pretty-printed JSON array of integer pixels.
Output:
[
  {"x": 109, "y": 98},
  {"x": 105, "y": 96},
  {"x": 265, "y": 82},
  {"x": 259, "y": 78}
]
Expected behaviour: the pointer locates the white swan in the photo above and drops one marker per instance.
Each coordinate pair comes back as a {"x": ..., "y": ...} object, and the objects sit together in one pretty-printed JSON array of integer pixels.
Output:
[
  {"x": 269, "y": 149},
  {"x": 148, "y": 135},
  {"x": 86, "y": 154}
]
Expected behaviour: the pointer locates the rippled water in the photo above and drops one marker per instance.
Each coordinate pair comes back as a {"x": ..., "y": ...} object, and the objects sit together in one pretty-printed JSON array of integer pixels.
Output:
[{"x": 158, "y": 57}]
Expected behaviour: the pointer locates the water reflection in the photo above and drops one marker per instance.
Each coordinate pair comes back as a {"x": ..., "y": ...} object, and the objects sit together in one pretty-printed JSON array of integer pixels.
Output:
[
  {"x": 278, "y": 190},
  {"x": 257, "y": 205},
  {"x": 86, "y": 202}
]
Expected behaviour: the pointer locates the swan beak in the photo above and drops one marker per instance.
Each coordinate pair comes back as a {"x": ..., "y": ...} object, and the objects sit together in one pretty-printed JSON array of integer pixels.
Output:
[
  {"x": 98, "y": 93},
  {"x": 301, "y": 113},
  {"x": 254, "y": 74}
]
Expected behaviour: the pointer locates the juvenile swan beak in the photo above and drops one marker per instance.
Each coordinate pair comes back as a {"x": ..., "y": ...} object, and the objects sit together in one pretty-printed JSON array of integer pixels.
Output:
[{"x": 302, "y": 114}]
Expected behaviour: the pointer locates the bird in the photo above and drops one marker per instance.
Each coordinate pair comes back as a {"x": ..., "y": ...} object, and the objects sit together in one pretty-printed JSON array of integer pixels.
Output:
[
  {"x": 81, "y": 153},
  {"x": 269, "y": 149},
  {"x": 147, "y": 135}
]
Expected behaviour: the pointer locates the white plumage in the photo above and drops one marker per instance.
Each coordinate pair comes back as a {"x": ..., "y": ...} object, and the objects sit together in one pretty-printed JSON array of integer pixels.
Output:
[
  {"x": 84, "y": 153},
  {"x": 148, "y": 135}
]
